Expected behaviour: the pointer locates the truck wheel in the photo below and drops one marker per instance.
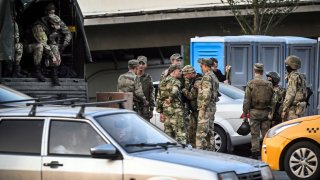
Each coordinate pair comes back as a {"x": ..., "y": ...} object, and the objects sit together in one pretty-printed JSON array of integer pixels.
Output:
[{"x": 301, "y": 161}]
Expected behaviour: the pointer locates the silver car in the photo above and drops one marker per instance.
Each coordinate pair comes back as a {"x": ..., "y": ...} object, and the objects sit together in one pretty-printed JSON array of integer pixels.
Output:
[
  {"x": 227, "y": 118},
  {"x": 43, "y": 142}
]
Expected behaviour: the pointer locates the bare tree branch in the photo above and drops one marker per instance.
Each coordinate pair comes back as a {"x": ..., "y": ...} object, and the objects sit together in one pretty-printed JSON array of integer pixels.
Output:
[{"x": 260, "y": 16}]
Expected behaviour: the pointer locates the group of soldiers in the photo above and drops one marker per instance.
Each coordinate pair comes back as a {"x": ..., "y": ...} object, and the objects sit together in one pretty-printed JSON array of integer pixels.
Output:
[
  {"x": 268, "y": 104},
  {"x": 45, "y": 40},
  {"x": 187, "y": 100}
]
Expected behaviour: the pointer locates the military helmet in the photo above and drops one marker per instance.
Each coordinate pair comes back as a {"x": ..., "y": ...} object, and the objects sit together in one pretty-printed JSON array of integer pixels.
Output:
[
  {"x": 293, "y": 61},
  {"x": 244, "y": 129},
  {"x": 54, "y": 19},
  {"x": 275, "y": 77},
  {"x": 50, "y": 7}
]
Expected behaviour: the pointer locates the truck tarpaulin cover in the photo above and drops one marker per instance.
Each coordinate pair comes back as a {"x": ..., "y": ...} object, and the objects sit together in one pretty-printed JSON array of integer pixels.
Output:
[
  {"x": 6, "y": 30},
  {"x": 7, "y": 27}
]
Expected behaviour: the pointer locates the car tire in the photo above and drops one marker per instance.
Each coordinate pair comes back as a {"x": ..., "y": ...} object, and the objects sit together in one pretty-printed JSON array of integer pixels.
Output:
[
  {"x": 220, "y": 139},
  {"x": 303, "y": 156}
]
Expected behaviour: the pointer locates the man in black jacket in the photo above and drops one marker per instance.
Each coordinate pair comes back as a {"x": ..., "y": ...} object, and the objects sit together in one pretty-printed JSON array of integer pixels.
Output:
[{"x": 218, "y": 73}]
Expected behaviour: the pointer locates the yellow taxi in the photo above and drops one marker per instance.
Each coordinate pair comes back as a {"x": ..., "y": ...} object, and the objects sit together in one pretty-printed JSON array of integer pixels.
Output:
[{"x": 294, "y": 146}]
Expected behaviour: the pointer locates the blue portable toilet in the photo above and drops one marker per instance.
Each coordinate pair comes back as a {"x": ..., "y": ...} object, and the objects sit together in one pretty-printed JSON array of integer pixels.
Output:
[{"x": 207, "y": 47}]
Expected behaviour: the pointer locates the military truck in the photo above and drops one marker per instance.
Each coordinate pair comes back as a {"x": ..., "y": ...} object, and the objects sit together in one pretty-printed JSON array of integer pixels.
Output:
[{"x": 72, "y": 68}]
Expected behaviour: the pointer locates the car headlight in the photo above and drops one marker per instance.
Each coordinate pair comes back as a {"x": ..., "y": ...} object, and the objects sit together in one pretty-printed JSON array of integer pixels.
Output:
[
  {"x": 228, "y": 176},
  {"x": 266, "y": 173},
  {"x": 278, "y": 129}
]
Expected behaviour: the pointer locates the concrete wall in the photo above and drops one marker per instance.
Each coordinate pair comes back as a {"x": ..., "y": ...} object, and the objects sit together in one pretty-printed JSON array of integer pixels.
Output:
[{"x": 177, "y": 32}]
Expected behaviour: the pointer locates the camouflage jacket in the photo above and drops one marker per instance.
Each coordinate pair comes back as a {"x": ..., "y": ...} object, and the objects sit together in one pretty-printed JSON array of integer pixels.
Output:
[
  {"x": 148, "y": 89},
  {"x": 208, "y": 91},
  {"x": 170, "y": 89},
  {"x": 258, "y": 95},
  {"x": 296, "y": 90},
  {"x": 41, "y": 33},
  {"x": 190, "y": 91},
  {"x": 129, "y": 82}
]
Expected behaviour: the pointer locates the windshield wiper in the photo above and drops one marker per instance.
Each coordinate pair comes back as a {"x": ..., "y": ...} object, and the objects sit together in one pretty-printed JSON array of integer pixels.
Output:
[{"x": 163, "y": 145}]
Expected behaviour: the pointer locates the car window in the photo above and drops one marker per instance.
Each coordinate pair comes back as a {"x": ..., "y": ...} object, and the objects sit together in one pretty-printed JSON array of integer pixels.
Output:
[
  {"x": 21, "y": 136},
  {"x": 128, "y": 128},
  {"x": 230, "y": 91},
  {"x": 72, "y": 138},
  {"x": 7, "y": 94}
]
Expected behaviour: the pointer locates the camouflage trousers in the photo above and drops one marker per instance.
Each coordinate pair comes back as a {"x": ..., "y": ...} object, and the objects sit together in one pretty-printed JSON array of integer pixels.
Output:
[
  {"x": 258, "y": 125},
  {"x": 191, "y": 124},
  {"x": 51, "y": 52},
  {"x": 18, "y": 53},
  {"x": 174, "y": 124},
  {"x": 205, "y": 130}
]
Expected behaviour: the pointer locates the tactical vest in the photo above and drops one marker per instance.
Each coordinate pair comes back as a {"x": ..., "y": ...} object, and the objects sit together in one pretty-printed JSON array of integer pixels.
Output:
[{"x": 261, "y": 94}]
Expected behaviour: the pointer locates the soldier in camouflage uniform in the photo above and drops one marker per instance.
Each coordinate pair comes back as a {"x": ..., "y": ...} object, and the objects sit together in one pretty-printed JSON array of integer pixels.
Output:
[
  {"x": 170, "y": 88},
  {"x": 190, "y": 92},
  {"x": 44, "y": 39},
  {"x": 257, "y": 102},
  {"x": 129, "y": 82},
  {"x": 18, "y": 52},
  {"x": 175, "y": 59},
  {"x": 147, "y": 87},
  {"x": 64, "y": 30},
  {"x": 294, "y": 104},
  {"x": 206, "y": 101},
  {"x": 277, "y": 100}
]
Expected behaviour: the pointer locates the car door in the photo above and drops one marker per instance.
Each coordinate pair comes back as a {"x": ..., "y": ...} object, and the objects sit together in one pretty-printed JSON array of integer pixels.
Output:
[
  {"x": 20, "y": 148},
  {"x": 68, "y": 153}
]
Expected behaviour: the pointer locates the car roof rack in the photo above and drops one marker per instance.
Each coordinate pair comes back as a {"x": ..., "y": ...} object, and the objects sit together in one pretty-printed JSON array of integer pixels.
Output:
[
  {"x": 84, "y": 105},
  {"x": 25, "y": 100},
  {"x": 55, "y": 102}
]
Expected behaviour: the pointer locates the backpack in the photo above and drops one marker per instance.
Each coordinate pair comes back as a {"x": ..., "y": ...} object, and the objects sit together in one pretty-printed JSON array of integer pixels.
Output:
[{"x": 302, "y": 92}]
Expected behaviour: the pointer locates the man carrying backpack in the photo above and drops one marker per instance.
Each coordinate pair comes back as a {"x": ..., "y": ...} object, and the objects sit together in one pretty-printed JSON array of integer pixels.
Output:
[
  {"x": 294, "y": 104},
  {"x": 257, "y": 102}
]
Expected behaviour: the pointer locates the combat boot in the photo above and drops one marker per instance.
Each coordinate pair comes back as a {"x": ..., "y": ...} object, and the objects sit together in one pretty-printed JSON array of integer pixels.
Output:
[
  {"x": 38, "y": 74},
  {"x": 16, "y": 72},
  {"x": 55, "y": 79}
]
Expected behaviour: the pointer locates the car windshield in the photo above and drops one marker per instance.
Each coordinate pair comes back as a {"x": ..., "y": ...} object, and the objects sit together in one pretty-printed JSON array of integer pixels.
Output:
[
  {"x": 7, "y": 94},
  {"x": 133, "y": 133}
]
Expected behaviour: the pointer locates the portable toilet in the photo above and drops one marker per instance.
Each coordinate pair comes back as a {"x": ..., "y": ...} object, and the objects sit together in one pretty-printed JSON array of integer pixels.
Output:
[
  {"x": 241, "y": 52},
  {"x": 207, "y": 47},
  {"x": 306, "y": 49}
]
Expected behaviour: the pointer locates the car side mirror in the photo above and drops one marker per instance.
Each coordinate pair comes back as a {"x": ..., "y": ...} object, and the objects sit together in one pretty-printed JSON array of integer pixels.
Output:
[{"x": 107, "y": 151}]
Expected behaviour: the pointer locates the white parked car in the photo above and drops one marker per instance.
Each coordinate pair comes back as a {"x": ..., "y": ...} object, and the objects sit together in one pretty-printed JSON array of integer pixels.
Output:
[{"x": 227, "y": 118}]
